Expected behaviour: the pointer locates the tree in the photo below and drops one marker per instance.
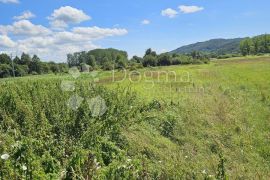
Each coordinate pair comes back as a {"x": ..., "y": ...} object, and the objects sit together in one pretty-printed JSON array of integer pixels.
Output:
[
  {"x": 35, "y": 65},
  {"x": 63, "y": 67},
  {"x": 107, "y": 66},
  {"x": 164, "y": 59},
  {"x": 255, "y": 45},
  {"x": 246, "y": 46},
  {"x": 150, "y": 52},
  {"x": 149, "y": 60},
  {"x": 73, "y": 59},
  {"x": 54, "y": 67},
  {"x": 137, "y": 59},
  {"x": 176, "y": 60},
  {"x": 4, "y": 59},
  {"x": 16, "y": 60},
  {"x": 5, "y": 70},
  {"x": 121, "y": 63},
  {"x": 91, "y": 60},
  {"x": 45, "y": 68},
  {"x": 82, "y": 57},
  {"x": 25, "y": 59},
  {"x": 21, "y": 70}
]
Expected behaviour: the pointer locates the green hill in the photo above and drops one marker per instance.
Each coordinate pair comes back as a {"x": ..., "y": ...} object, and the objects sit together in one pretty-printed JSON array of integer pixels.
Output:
[{"x": 219, "y": 46}]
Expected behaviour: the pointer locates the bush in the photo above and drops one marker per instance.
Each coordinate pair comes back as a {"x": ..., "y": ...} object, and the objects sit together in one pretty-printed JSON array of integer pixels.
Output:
[
  {"x": 52, "y": 138},
  {"x": 5, "y": 70}
]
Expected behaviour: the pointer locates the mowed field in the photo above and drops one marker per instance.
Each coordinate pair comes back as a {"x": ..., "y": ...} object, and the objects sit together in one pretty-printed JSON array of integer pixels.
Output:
[{"x": 207, "y": 121}]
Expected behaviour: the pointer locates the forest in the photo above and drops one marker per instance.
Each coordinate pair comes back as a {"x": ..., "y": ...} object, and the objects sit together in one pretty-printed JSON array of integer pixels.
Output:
[
  {"x": 257, "y": 45},
  {"x": 108, "y": 59}
]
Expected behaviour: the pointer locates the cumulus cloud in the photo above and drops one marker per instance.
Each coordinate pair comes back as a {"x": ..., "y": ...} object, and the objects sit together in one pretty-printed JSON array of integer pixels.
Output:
[
  {"x": 50, "y": 43},
  {"x": 66, "y": 15},
  {"x": 190, "y": 9},
  {"x": 171, "y": 13},
  {"x": 25, "y": 15},
  {"x": 10, "y": 1},
  {"x": 24, "y": 28},
  {"x": 6, "y": 42},
  {"x": 145, "y": 22},
  {"x": 54, "y": 45},
  {"x": 98, "y": 33},
  {"x": 53, "y": 49}
]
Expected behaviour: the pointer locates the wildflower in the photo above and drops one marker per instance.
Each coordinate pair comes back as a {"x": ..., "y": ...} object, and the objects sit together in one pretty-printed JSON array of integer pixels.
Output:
[
  {"x": 5, "y": 156},
  {"x": 63, "y": 174},
  {"x": 204, "y": 171},
  {"x": 24, "y": 168},
  {"x": 186, "y": 156}
]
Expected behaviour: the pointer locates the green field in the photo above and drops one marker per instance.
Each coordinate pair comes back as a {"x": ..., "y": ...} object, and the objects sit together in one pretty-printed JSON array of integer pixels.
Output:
[{"x": 208, "y": 121}]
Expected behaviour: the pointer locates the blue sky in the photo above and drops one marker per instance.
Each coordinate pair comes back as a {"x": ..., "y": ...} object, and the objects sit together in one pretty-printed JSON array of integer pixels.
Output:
[{"x": 60, "y": 26}]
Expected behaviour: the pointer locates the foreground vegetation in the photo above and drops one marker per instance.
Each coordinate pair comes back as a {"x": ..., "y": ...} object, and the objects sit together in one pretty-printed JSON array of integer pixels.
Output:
[{"x": 212, "y": 123}]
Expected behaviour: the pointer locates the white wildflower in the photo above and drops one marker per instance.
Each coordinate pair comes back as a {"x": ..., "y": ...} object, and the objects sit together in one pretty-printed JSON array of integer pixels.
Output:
[
  {"x": 24, "y": 168},
  {"x": 5, "y": 156},
  {"x": 204, "y": 171}
]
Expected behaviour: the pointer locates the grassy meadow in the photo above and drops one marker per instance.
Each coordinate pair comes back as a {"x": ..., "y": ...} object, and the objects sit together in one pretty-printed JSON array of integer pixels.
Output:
[{"x": 208, "y": 121}]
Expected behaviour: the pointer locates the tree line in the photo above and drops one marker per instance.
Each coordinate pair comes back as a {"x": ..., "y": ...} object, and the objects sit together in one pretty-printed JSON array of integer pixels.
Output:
[
  {"x": 166, "y": 59},
  {"x": 256, "y": 45},
  {"x": 104, "y": 59},
  {"x": 108, "y": 59},
  {"x": 27, "y": 65}
]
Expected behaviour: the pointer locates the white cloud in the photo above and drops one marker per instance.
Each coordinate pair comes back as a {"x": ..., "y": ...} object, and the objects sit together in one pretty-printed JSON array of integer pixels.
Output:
[
  {"x": 56, "y": 44},
  {"x": 190, "y": 9},
  {"x": 10, "y": 1},
  {"x": 64, "y": 16},
  {"x": 6, "y": 42},
  {"x": 25, "y": 28},
  {"x": 25, "y": 15},
  {"x": 98, "y": 33},
  {"x": 145, "y": 22},
  {"x": 51, "y": 44},
  {"x": 171, "y": 13},
  {"x": 49, "y": 48}
]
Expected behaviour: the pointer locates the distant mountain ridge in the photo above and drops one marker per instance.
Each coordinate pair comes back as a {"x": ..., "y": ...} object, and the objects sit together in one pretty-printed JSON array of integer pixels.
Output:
[{"x": 218, "y": 46}]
